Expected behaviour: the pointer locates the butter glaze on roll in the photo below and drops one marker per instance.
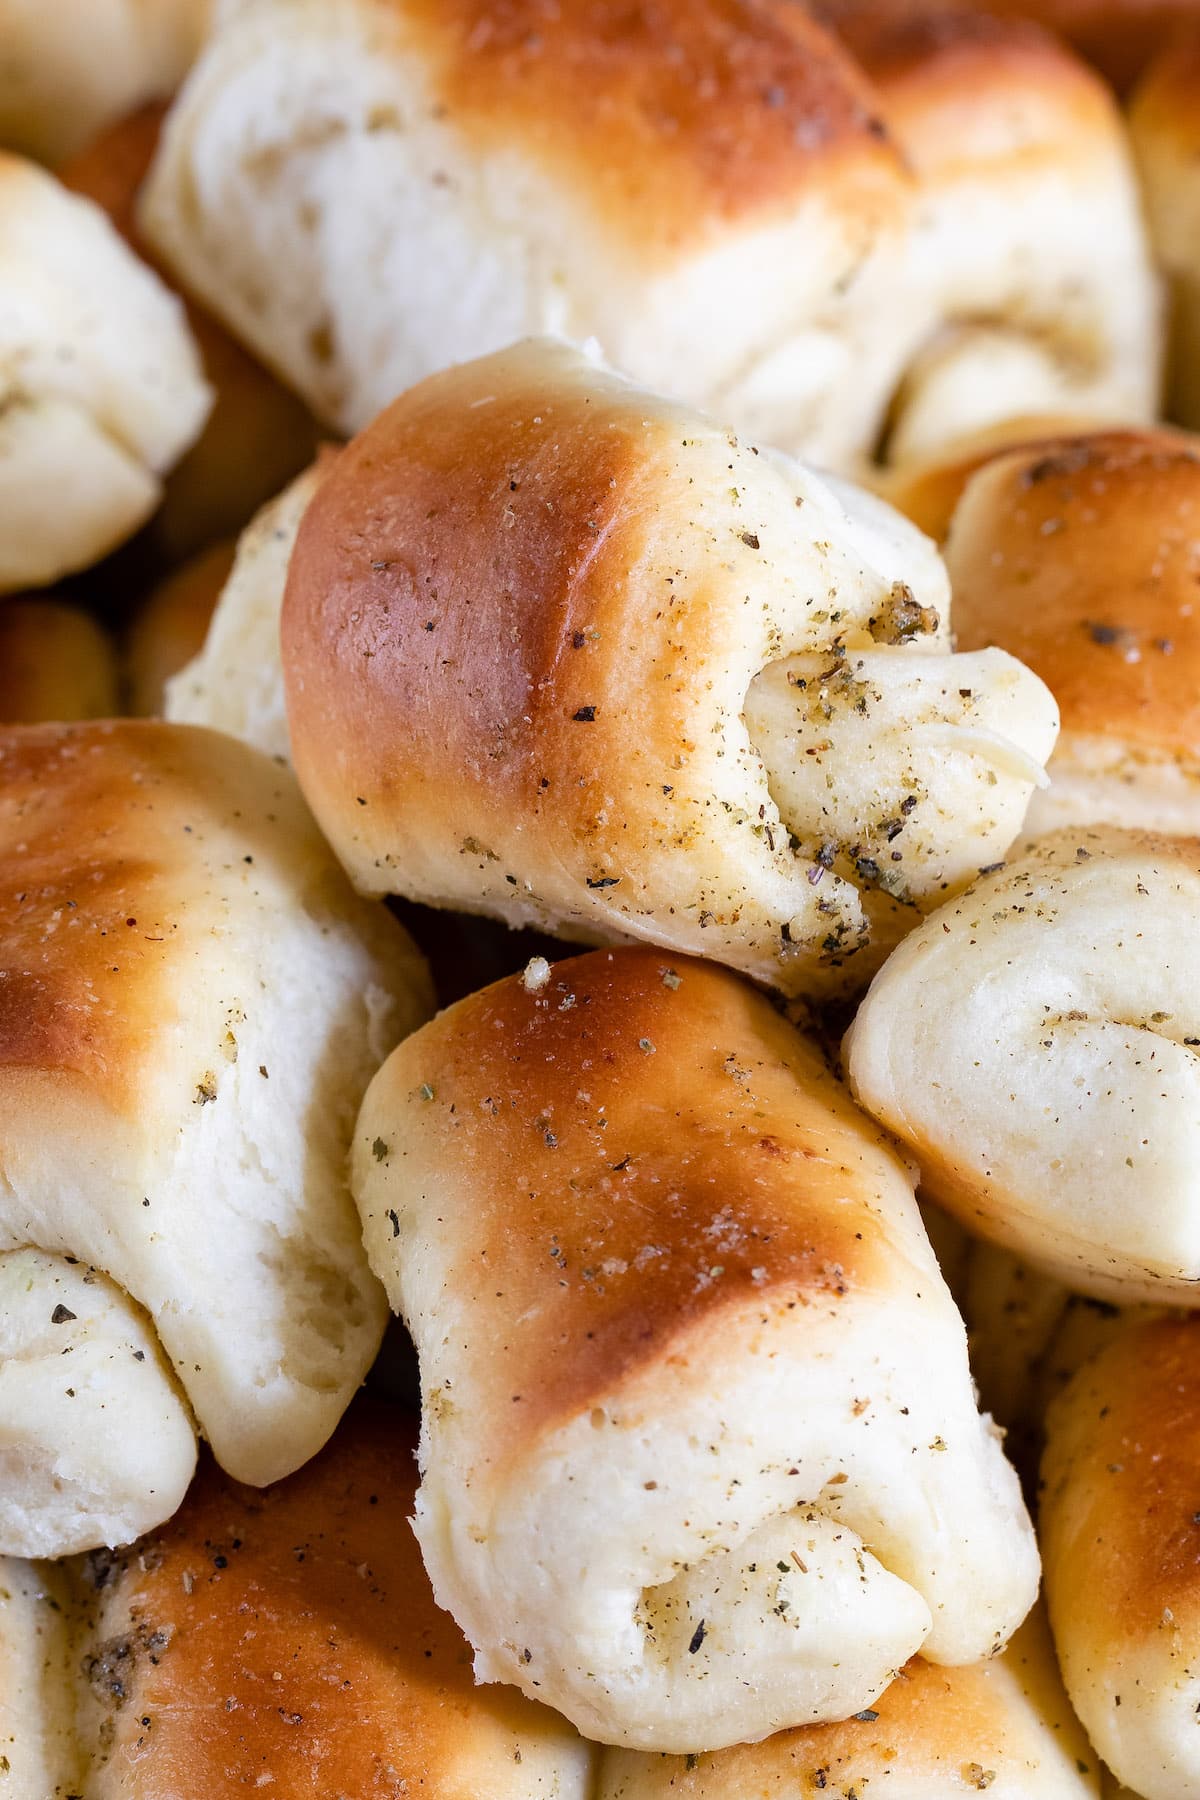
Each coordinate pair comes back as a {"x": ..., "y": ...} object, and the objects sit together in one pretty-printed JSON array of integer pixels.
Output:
[
  {"x": 1033, "y": 1044},
  {"x": 561, "y": 651},
  {"x": 288, "y": 1640},
  {"x": 1081, "y": 556},
  {"x": 1119, "y": 1530},
  {"x": 191, "y": 1003},
  {"x": 701, "y": 1457},
  {"x": 935, "y": 1733}
]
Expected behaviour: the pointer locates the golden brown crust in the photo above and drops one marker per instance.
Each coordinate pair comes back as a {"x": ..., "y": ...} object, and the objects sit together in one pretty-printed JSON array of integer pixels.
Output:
[
  {"x": 961, "y": 88},
  {"x": 686, "y": 115},
  {"x": 1081, "y": 557},
  {"x": 649, "y": 1150},
  {"x": 288, "y": 1638},
  {"x": 170, "y": 628},
  {"x": 1119, "y": 36},
  {"x": 56, "y": 662},
  {"x": 1120, "y": 1494}
]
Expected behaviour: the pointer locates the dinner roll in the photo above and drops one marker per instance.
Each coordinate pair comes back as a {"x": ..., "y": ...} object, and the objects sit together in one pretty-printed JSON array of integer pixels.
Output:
[
  {"x": 191, "y": 1003},
  {"x": 1004, "y": 1725},
  {"x": 1165, "y": 123},
  {"x": 258, "y": 435},
  {"x": 1119, "y": 36},
  {"x": 38, "y": 1756},
  {"x": 1081, "y": 556},
  {"x": 288, "y": 1641},
  {"x": 369, "y": 190},
  {"x": 96, "y": 1445},
  {"x": 70, "y": 66},
  {"x": 102, "y": 390},
  {"x": 1119, "y": 1527},
  {"x": 56, "y": 662},
  {"x": 1029, "y": 247},
  {"x": 1032, "y": 1044},
  {"x": 170, "y": 627},
  {"x": 701, "y": 1458},
  {"x": 561, "y": 651},
  {"x": 234, "y": 681}
]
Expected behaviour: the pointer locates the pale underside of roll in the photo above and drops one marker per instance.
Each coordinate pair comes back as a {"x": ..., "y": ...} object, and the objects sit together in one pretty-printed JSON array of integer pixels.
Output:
[
  {"x": 561, "y": 651},
  {"x": 96, "y": 1442},
  {"x": 234, "y": 683},
  {"x": 192, "y": 1003},
  {"x": 1033, "y": 1044},
  {"x": 102, "y": 389},
  {"x": 701, "y": 1457},
  {"x": 1119, "y": 1525},
  {"x": 71, "y": 66},
  {"x": 1004, "y": 1724}
]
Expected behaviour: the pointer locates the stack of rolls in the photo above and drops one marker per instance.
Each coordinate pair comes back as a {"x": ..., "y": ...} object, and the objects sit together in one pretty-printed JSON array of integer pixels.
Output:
[{"x": 780, "y": 1256}]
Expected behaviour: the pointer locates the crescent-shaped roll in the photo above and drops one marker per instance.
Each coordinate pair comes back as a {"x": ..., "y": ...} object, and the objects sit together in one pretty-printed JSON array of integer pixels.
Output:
[
  {"x": 191, "y": 1004},
  {"x": 72, "y": 65},
  {"x": 367, "y": 191},
  {"x": 170, "y": 627},
  {"x": 102, "y": 389},
  {"x": 258, "y": 434},
  {"x": 1003, "y": 1725},
  {"x": 1164, "y": 121},
  {"x": 288, "y": 1641},
  {"x": 234, "y": 682},
  {"x": 562, "y": 651},
  {"x": 1029, "y": 248},
  {"x": 1120, "y": 1516},
  {"x": 1081, "y": 556},
  {"x": 56, "y": 662},
  {"x": 38, "y": 1751},
  {"x": 96, "y": 1444},
  {"x": 701, "y": 1457},
  {"x": 1033, "y": 1044}
]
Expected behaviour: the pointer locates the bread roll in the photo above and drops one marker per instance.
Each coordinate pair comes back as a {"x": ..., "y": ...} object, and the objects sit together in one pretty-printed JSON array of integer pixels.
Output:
[
  {"x": 1119, "y": 36},
  {"x": 288, "y": 1641},
  {"x": 56, "y": 662},
  {"x": 258, "y": 435},
  {"x": 369, "y": 190},
  {"x": 561, "y": 651},
  {"x": 1119, "y": 1527},
  {"x": 70, "y": 66},
  {"x": 1081, "y": 556},
  {"x": 191, "y": 1004},
  {"x": 1031, "y": 1044},
  {"x": 169, "y": 629},
  {"x": 700, "y": 1453},
  {"x": 933, "y": 1733},
  {"x": 103, "y": 390},
  {"x": 1029, "y": 249},
  {"x": 96, "y": 1444},
  {"x": 1165, "y": 122},
  {"x": 38, "y": 1757},
  {"x": 234, "y": 682}
]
